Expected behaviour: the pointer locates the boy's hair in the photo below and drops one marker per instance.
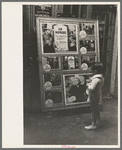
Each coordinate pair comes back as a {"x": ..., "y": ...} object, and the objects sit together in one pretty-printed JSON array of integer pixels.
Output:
[{"x": 97, "y": 67}]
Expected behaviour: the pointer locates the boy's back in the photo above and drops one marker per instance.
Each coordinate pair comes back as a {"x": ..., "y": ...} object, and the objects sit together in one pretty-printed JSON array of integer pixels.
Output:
[{"x": 95, "y": 88}]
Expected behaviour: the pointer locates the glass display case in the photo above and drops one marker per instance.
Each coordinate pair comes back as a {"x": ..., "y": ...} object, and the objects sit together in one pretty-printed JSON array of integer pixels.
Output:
[{"x": 67, "y": 48}]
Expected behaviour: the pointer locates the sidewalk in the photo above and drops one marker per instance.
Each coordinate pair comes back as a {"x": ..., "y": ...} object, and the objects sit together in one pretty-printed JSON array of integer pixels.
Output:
[{"x": 67, "y": 127}]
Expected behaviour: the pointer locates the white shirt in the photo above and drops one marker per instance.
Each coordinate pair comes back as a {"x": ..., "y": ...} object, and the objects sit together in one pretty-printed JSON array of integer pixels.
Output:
[{"x": 95, "y": 80}]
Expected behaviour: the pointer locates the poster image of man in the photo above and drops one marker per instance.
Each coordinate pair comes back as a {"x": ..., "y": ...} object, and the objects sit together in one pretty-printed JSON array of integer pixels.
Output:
[
  {"x": 88, "y": 28},
  {"x": 59, "y": 38},
  {"x": 52, "y": 61},
  {"x": 75, "y": 89}
]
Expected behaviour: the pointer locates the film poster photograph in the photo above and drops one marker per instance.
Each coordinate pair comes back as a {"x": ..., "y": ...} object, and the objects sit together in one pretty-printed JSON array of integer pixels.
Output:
[{"x": 70, "y": 75}]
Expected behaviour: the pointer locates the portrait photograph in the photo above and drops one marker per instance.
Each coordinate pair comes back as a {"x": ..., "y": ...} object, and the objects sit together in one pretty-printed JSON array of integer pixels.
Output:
[
  {"x": 75, "y": 89},
  {"x": 59, "y": 38}
]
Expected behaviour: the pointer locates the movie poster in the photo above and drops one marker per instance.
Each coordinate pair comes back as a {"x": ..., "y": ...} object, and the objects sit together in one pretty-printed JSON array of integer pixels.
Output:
[
  {"x": 59, "y": 38},
  {"x": 75, "y": 88}
]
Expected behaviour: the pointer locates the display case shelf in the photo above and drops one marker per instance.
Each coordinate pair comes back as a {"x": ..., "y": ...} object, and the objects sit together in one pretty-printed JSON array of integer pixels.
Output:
[
  {"x": 53, "y": 89},
  {"x": 87, "y": 38}
]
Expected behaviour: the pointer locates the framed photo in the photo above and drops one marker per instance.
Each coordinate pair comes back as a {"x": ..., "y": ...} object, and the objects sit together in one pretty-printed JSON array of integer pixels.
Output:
[
  {"x": 75, "y": 88},
  {"x": 87, "y": 61},
  {"x": 52, "y": 98},
  {"x": 52, "y": 80},
  {"x": 51, "y": 63},
  {"x": 87, "y": 46},
  {"x": 59, "y": 38},
  {"x": 89, "y": 28},
  {"x": 70, "y": 62}
]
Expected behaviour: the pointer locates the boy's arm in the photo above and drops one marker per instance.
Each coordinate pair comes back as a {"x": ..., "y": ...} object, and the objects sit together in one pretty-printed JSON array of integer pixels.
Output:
[{"x": 93, "y": 85}]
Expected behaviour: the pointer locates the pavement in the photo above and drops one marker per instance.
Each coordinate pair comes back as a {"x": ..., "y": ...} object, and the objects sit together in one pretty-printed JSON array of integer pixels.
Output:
[{"x": 67, "y": 127}]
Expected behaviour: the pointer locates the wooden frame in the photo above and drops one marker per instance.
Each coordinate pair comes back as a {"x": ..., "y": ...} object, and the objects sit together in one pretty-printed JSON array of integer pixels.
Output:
[
  {"x": 54, "y": 37},
  {"x": 71, "y": 71},
  {"x": 73, "y": 88}
]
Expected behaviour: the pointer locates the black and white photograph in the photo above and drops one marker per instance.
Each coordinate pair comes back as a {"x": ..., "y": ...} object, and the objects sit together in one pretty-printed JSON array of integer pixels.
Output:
[
  {"x": 63, "y": 87},
  {"x": 75, "y": 89},
  {"x": 59, "y": 38},
  {"x": 51, "y": 63}
]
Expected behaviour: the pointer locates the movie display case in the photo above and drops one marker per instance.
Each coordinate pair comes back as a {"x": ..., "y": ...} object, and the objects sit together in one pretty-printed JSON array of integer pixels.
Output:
[{"x": 67, "y": 48}]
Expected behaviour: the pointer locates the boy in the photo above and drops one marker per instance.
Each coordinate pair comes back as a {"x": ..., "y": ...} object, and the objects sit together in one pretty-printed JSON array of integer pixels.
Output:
[{"x": 94, "y": 88}]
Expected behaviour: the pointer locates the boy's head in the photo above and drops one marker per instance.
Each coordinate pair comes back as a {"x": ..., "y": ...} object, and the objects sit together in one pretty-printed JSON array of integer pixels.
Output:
[
  {"x": 78, "y": 80},
  {"x": 97, "y": 68},
  {"x": 81, "y": 79}
]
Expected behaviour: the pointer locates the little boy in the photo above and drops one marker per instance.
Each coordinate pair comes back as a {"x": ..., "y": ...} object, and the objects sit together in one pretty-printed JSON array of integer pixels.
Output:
[{"x": 94, "y": 87}]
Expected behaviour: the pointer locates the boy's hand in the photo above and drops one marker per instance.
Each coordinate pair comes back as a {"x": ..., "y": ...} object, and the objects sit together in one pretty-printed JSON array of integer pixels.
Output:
[
  {"x": 88, "y": 99},
  {"x": 87, "y": 84}
]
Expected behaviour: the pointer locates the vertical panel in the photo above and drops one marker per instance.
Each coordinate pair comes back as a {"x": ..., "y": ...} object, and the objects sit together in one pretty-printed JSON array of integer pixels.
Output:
[
  {"x": 83, "y": 11},
  {"x": 114, "y": 59},
  {"x": 32, "y": 16},
  {"x": 66, "y": 9},
  {"x": 79, "y": 13},
  {"x": 26, "y": 18},
  {"x": 75, "y": 10},
  {"x": 60, "y": 8},
  {"x": 116, "y": 84},
  {"x": 53, "y": 11},
  {"x": 71, "y": 9},
  {"x": 56, "y": 10},
  {"x": 89, "y": 11}
]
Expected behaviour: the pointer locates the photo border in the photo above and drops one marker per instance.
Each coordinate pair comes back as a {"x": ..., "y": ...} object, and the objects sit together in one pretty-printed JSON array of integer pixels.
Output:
[{"x": 82, "y": 74}]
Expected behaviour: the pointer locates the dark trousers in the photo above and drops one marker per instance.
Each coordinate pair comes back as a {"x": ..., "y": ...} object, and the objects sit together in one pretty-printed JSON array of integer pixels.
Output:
[{"x": 94, "y": 107}]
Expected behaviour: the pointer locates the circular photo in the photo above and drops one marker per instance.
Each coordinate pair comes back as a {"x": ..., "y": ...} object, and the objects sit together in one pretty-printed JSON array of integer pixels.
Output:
[
  {"x": 84, "y": 66},
  {"x": 83, "y": 50},
  {"x": 49, "y": 103},
  {"x": 48, "y": 85},
  {"x": 47, "y": 68},
  {"x": 82, "y": 34}
]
